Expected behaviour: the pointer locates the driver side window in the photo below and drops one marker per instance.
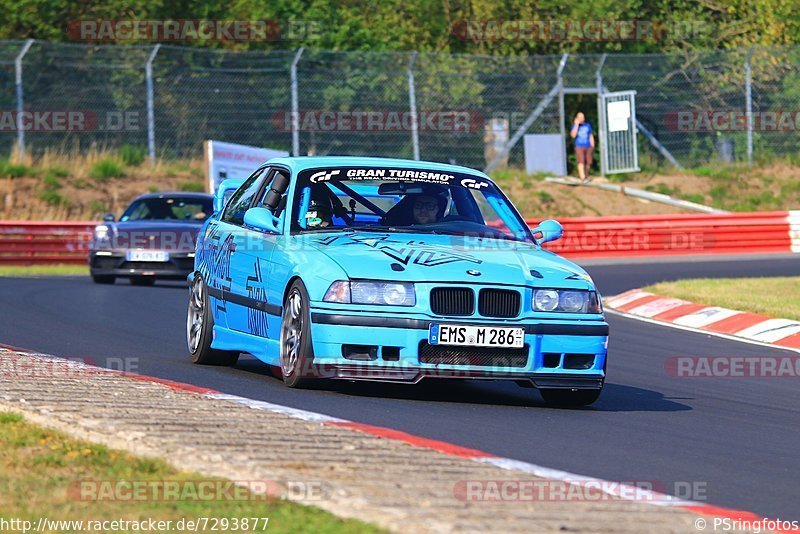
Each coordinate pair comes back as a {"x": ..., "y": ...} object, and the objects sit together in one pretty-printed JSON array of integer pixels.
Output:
[{"x": 242, "y": 199}]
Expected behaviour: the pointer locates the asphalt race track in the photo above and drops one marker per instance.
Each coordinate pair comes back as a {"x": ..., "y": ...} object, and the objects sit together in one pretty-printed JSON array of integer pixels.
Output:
[{"x": 735, "y": 438}]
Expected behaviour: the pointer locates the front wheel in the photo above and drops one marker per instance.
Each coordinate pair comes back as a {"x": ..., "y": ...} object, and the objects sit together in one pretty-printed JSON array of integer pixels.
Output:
[
  {"x": 570, "y": 397},
  {"x": 297, "y": 354},
  {"x": 200, "y": 328}
]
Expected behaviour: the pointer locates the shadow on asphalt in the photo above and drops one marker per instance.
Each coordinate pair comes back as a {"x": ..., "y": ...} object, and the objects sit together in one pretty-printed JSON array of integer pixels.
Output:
[{"x": 615, "y": 397}]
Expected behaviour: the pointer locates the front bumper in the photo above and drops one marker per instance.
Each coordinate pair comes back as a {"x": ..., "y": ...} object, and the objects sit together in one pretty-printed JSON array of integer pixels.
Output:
[
  {"x": 557, "y": 353},
  {"x": 114, "y": 263}
]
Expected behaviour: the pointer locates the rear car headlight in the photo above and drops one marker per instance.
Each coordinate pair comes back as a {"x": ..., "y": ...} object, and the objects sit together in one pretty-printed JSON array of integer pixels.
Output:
[
  {"x": 369, "y": 292},
  {"x": 566, "y": 301}
]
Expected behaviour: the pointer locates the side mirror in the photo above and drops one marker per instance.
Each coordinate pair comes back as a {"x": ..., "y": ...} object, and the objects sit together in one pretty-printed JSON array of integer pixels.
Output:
[
  {"x": 263, "y": 219},
  {"x": 549, "y": 229},
  {"x": 225, "y": 191},
  {"x": 109, "y": 217}
]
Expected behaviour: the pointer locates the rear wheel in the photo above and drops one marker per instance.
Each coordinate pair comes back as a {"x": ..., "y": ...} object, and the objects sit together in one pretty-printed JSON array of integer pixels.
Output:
[
  {"x": 142, "y": 280},
  {"x": 103, "y": 279},
  {"x": 200, "y": 328},
  {"x": 570, "y": 397},
  {"x": 297, "y": 353}
]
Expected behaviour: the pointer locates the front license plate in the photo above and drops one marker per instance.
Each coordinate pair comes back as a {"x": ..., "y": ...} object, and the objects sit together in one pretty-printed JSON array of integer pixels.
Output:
[
  {"x": 476, "y": 336},
  {"x": 147, "y": 255}
]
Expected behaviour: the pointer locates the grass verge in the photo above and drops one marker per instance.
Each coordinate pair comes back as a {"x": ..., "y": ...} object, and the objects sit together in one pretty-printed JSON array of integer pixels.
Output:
[
  {"x": 23, "y": 271},
  {"x": 775, "y": 297},
  {"x": 41, "y": 469}
]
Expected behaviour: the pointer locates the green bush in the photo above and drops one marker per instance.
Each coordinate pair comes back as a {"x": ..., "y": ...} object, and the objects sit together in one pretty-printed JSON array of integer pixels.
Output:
[
  {"x": 697, "y": 198},
  {"x": 58, "y": 172},
  {"x": 194, "y": 187},
  {"x": 663, "y": 189},
  {"x": 545, "y": 197},
  {"x": 106, "y": 169},
  {"x": 12, "y": 170},
  {"x": 131, "y": 155},
  {"x": 51, "y": 181},
  {"x": 54, "y": 198},
  {"x": 97, "y": 207}
]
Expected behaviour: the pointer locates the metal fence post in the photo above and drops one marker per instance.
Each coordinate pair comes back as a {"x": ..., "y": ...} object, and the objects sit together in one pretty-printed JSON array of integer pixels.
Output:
[
  {"x": 601, "y": 117},
  {"x": 295, "y": 104},
  {"x": 749, "y": 107},
  {"x": 151, "y": 118},
  {"x": 412, "y": 105},
  {"x": 18, "y": 79}
]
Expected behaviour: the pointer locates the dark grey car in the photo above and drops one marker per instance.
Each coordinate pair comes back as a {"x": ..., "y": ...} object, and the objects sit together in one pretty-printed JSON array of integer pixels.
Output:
[{"x": 154, "y": 238}]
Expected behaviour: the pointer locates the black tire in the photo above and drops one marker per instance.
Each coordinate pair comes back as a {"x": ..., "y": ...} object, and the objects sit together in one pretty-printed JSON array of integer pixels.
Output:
[
  {"x": 570, "y": 397},
  {"x": 296, "y": 349},
  {"x": 103, "y": 279},
  {"x": 200, "y": 327},
  {"x": 142, "y": 280}
]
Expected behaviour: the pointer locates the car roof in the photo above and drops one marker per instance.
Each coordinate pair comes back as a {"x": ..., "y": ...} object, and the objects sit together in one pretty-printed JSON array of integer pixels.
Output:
[
  {"x": 178, "y": 194},
  {"x": 301, "y": 163}
]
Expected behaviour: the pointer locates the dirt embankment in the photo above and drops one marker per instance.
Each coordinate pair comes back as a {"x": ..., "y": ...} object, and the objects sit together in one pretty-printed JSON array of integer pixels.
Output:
[{"x": 86, "y": 187}]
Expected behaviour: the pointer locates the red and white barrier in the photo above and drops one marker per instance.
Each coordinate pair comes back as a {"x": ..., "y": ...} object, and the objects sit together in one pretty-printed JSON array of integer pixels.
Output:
[
  {"x": 28, "y": 243},
  {"x": 678, "y": 234},
  {"x": 42, "y": 242}
]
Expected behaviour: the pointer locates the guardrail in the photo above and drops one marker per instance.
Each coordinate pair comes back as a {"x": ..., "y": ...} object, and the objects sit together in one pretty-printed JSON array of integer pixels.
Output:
[
  {"x": 31, "y": 243},
  {"x": 678, "y": 234},
  {"x": 42, "y": 243}
]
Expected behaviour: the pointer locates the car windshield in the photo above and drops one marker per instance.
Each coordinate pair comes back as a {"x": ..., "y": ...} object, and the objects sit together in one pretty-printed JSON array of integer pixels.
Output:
[
  {"x": 169, "y": 209},
  {"x": 404, "y": 200}
]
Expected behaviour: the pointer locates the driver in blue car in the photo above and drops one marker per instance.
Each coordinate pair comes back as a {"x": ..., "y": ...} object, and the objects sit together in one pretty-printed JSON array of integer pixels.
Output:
[{"x": 428, "y": 208}]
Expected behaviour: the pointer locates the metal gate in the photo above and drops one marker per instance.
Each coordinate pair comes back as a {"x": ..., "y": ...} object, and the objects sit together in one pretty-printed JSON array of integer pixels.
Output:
[{"x": 618, "y": 147}]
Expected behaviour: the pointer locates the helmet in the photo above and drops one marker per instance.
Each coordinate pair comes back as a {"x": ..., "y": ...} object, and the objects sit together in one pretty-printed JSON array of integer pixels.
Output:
[{"x": 319, "y": 213}]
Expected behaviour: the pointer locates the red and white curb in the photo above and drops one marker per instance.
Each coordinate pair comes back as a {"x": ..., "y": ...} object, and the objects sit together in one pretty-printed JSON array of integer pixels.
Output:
[
  {"x": 747, "y": 326},
  {"x": 615, "y": 489},
  {"x": 794, "y": 230}
]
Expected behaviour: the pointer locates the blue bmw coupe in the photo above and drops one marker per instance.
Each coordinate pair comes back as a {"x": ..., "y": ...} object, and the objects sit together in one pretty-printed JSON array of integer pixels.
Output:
[{"x": 391, "y": 270}]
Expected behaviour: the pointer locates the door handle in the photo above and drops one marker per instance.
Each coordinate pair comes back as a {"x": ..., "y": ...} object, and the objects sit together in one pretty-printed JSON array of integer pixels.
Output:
[{"x": 232, "y": 247}]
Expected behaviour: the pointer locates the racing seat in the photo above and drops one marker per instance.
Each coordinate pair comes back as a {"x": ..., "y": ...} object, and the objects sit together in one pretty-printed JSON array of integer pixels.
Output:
[{"x": 401, "y": 214}]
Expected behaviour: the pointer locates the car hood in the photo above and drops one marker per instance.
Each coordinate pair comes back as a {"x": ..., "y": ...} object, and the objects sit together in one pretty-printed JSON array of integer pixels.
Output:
[
  {"x": 170, "y": 236},
  {"x": 446, "y": 258}
]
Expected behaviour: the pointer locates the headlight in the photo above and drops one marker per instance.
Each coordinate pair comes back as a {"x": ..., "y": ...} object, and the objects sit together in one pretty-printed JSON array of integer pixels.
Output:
[
  {"x": 566, "y": 300},
  {"x": 101, "y": 231},
  {"x": 366, "y": 292}
]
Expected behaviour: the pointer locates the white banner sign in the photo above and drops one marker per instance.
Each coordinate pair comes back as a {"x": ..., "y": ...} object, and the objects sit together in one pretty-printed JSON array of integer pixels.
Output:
[{"x": 229, "y": 160}]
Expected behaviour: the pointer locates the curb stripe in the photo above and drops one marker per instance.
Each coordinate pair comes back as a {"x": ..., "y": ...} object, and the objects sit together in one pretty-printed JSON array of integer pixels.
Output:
[
  {"x": 641, "y": 300},
  {"x": 791, "y": 341},
  {"x": 417, "y": 441},
  {"x": 684, "y": 309},
  {"x": 736, "y": 323}
]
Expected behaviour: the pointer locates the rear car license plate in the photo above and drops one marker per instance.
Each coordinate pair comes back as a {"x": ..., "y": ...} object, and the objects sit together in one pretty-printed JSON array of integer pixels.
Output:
[
  {"x": 147, "y": 255},
  {"x": 476, "y": 336}
]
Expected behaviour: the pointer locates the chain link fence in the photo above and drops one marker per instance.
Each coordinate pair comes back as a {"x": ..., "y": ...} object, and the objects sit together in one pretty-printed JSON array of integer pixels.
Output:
[{"x": 458, "y": 108}]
